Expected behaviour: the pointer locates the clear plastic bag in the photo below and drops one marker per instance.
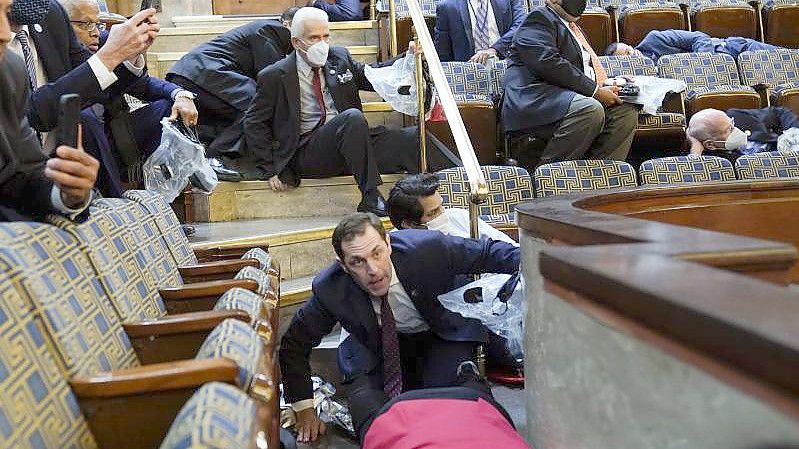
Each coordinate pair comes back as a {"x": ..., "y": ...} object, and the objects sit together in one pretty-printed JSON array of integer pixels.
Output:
[
  {"x": 177, "y": 158},
  {"x": 396, "y": 84},
  {"x": 497, "y": 300},
  {"x": 788, "y": 141}
]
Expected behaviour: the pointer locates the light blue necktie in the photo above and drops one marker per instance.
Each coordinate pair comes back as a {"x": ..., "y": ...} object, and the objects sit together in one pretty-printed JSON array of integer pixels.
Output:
[{"x": 481, "y": 26}]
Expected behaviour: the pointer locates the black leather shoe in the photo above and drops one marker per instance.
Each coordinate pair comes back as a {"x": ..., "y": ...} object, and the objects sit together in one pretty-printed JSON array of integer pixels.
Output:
[
  {"x": 373, "y": 203},
  {"x": 188, "y": 230},
  {"x": 223, "y": 172}
]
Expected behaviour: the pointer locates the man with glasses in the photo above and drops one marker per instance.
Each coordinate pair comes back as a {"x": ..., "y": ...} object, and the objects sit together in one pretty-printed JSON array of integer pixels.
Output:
[
  {"x": 133, "y": 121},
  {"x": 58, "y": 64}
]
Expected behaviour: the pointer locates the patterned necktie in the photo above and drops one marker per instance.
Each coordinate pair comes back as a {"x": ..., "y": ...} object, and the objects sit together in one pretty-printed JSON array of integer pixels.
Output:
[
  {"x": 481, "y": 26},
  {"x": 320, "y": 98},
  {"x": 22, "y": 36},
  {"x": 392, "y": 368},
  {"x": 599, "y": 71}
]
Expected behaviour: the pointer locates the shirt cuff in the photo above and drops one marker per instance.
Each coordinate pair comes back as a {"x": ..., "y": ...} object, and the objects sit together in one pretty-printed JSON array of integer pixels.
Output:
[
  {"x": 58, "y": 204},
  {"x": 302, "y": 405},
  {"x": 136, "y": 68},
  {"x": 175, "y": 92},
  {"x": 104, "y": 76}
]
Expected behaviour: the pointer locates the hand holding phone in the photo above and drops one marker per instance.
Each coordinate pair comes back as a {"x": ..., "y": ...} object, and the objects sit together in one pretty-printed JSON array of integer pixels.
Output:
[{"x": 68, "y": 120}]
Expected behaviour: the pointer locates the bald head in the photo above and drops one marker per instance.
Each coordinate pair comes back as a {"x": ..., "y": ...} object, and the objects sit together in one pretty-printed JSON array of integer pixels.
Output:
[{"x": 710, "y": 125}]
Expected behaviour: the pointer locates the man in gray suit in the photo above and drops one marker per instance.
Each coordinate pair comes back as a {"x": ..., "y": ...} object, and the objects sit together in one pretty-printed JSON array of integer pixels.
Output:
[
  {"x": 554, "y": 90},
  {"x": 30, "y": 184}
]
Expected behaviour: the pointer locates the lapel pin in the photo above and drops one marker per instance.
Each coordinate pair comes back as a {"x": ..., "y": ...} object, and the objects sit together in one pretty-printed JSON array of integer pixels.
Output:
[{"x": 38, "y": 28}]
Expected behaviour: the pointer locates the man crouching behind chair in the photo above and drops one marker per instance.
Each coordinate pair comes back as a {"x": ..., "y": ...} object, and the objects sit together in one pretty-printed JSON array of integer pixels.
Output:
[{"x": 384, "y": 292}]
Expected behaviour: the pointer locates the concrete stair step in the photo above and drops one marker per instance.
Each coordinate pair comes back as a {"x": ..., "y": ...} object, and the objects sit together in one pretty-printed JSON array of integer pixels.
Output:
[{"x": 330, "y": 197}]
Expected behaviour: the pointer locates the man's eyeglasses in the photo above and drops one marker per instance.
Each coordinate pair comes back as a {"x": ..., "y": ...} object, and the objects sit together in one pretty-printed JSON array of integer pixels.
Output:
[{"x": 89, "y": 26}]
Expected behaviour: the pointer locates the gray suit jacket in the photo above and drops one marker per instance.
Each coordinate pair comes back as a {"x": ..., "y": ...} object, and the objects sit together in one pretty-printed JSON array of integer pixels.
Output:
[{"x": 24, "y": 190}]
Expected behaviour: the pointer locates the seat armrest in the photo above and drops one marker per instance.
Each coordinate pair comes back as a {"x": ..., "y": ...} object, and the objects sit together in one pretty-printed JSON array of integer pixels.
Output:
[
  {"x": 218, "y": 269},
  {"x": 206, "y": 289},
  {"x": 226, "y": 253},
  {"x": 154, "y": 378}
]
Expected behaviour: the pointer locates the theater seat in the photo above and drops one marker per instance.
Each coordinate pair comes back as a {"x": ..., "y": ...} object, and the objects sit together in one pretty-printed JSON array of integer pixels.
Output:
[
  {"x": 725, "y": 18},
  {"x": 470, "y": 84},
  {"x": 167, "y": 223},
  {"x": 639, "y": 17},
  {"x": 686, "y": 169},
  {"x": 597, "y": 25},
  {"x": 773, "y": 165},
  {"x": 773, "y": 73},
  {"x": 560, "y": 178},
  {"x": 712, "y": 81},
  {"x": 666, "y": 126},
  {"x": 72, "y": 315},
  {"x": 404, "y": 23},
  {"x": 781, "y": 18},
  {"x": 507, "y": 187},
  {"x": 496, "y": 76}
]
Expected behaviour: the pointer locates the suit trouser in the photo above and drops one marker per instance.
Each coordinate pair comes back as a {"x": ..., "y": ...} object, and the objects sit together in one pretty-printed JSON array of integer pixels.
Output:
[
  {"x": 591, "y": 131},
  {"x": 427, "y": 362},
  {"x": 96, "y": 143},
  {"x": 218, "y": 122},
  {"x": 147, "y": 128}
]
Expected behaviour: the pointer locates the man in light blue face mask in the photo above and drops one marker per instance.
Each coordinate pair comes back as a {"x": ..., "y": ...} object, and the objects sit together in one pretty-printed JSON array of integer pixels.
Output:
[
  {"x": 306, "y": 119},
  {"x": 713, "y": 130}
]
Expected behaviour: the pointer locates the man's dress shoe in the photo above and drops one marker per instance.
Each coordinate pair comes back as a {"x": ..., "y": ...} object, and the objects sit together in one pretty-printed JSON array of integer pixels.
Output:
[
  {"x": 373, "y": 203},
  {"x": 223, "y": 172}
]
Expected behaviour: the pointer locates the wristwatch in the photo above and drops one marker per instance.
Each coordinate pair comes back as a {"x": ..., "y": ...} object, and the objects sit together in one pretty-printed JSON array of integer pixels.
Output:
[{"x": 185, "y": 94}]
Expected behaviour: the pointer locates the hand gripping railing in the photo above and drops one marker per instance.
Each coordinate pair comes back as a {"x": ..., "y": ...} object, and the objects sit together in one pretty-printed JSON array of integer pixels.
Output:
[{"x": 478, "y": 189}]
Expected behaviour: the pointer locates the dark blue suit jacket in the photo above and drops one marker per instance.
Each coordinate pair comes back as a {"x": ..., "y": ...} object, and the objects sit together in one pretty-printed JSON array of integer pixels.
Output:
[
  {"x": 544, "y": 73},
  {"x": 147, "y": 88},
  {"x": 427, "y": 264},
  {"x": 453, "y": 39},
  {"x": 342, "y": 10}
]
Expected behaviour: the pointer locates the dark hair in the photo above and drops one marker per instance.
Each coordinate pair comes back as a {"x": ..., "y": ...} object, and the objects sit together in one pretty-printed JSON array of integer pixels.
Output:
[
  {"x": 289, "y": 13},
  {"x": 403, "y": 200},
  {"x": 354, "y": 225},
  {"x": 611, "y": 50}
]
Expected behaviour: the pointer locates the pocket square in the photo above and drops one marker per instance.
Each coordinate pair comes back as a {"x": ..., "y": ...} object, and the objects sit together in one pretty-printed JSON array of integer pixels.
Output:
[{"x": 344, "y": 78}]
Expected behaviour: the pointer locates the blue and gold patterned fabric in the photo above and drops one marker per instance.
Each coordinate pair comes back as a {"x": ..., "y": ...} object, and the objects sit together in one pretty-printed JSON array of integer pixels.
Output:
[
  {"x": 242, "y": 299},
  {"x": 646, "y": 5},
  {"x": 258, "y": 276},
  {"x": 46, "y": 264},
  {"x": 125, "y": 271},
  {"x": 37, "y": 407},
  {"x": 703, "y": 73},
  {"x": 168, "y": 223},
  {"x": 559, "y": 178},
  {"x": 661, "y": 120},
  {"x": 628, "y": 65},
  {"x": 401, "y": 7},
  {"x": 236, "y": 341},
  {"x": 772, "y": 165},
  {"x": 264, "y": 258},
  {"x": 496, "y": 73},
  {"x": 217, "y": 416},
  {"x": 769, "y": 67},
  {"x": 786, "y": 88},
  {"x": 469, "y": 80},
  {"x": 507, "y": 187},
  {"x": 686, "y": 169},
  {"x": 702, "y": 5}
]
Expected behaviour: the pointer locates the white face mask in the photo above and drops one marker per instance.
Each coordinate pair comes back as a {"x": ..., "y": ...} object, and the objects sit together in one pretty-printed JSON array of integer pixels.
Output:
[
  {"x": 735, "y": 140},
  {"x": 316, "y": 54},
  {"x": 440, "y": 223}
]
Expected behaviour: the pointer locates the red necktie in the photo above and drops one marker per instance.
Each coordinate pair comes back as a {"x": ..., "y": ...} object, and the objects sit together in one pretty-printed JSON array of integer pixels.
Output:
[
  {"x": 320, "y": 98},
  {"x": 392, "y": 368}
]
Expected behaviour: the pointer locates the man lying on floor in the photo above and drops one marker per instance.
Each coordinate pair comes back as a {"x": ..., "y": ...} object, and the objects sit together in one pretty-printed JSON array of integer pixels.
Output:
[{"x": 464, "y": 416}]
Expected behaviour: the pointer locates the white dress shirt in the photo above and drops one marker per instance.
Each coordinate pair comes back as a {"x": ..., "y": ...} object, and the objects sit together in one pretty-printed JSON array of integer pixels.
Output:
[
  {"x": 493, "y": 30},
  {"x": 309, "y": 108},
  {"x": 587, "y": 68}
]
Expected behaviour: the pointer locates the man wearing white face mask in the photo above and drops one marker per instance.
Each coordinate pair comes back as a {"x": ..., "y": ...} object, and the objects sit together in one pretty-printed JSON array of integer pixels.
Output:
[
  {"x": 414, "y": 202},
  {"x": 306, "y": 119},
  {"x": 712, "y": 130}
]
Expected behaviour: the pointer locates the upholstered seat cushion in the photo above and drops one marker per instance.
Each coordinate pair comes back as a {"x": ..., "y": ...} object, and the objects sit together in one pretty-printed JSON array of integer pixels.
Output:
[
  {"x": 508, "y": 186},
  {"x": 717, "y": 89},
  {"x": 242, "y": 299},
  {"x": 661, "y": 120},
  {"x": 642, "y": 5},
  {"x": 686, "y": 169},
  {"x": 785, "y": 88},
  {"x": 702, "y": 5},
  {"x": 768, "y": 165},
  {"x": 217, "y": 416},
  {"x": 238, "y": 342},
  {"x": 576, "y": 176},
  {"x": 167, "y": 223},
  {"x": 628, "y": 65}
]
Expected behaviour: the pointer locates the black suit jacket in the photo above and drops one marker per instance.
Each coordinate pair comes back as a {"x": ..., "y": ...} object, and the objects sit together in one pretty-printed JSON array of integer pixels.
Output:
[
  {"x": 272, "y": 123},
  {"x": 65, "y": 63},
  {"x": 427, "y": 264},
  {"x": 545, "y": 71},
  {"x": 228, "y": 65},
  {"x": 24, "y": 190}
]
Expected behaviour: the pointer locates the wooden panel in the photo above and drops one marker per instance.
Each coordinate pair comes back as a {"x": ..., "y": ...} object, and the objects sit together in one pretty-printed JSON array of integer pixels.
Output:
[
  {"x": 481, "y": 125},
  {"x": 727, "y": 22},
  {"x": 637, "y": 24},
  {"x": 252, "y": 6},
  {"x": 597, "y": 28},
  {"x": 782, "y": 28}
]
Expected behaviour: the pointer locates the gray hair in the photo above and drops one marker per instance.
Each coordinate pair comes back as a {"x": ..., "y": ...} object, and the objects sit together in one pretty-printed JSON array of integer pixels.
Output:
[
  {"x": 72, "y": 5},
  {"x": 303, "y": 15}
]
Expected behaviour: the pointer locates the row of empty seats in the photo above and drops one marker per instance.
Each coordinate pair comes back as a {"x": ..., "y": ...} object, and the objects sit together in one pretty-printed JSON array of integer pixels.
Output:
[
  {"x": 509, "y": 186},
  {"x": 109, "y": 327}
]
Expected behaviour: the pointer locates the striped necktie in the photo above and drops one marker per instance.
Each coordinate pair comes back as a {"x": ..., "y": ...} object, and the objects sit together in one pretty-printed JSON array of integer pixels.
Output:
[
  {"x": 481, "y": 26},
  {"x": 22, "y": 36},
  {"x": 392, "y": 366}
]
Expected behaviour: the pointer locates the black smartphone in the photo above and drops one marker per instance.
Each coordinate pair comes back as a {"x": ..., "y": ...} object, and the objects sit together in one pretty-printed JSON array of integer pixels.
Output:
[
  {"x": 147, "y": 4},
  {"x": 68, "y": 120}
]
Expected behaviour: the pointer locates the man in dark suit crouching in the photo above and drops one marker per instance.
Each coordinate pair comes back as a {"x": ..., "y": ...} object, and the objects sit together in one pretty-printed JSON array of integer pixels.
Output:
[
  {"x": 306, "y": 119},
  {"x": 384, "y": 292},
  {"x": 554, "y": 90}
]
